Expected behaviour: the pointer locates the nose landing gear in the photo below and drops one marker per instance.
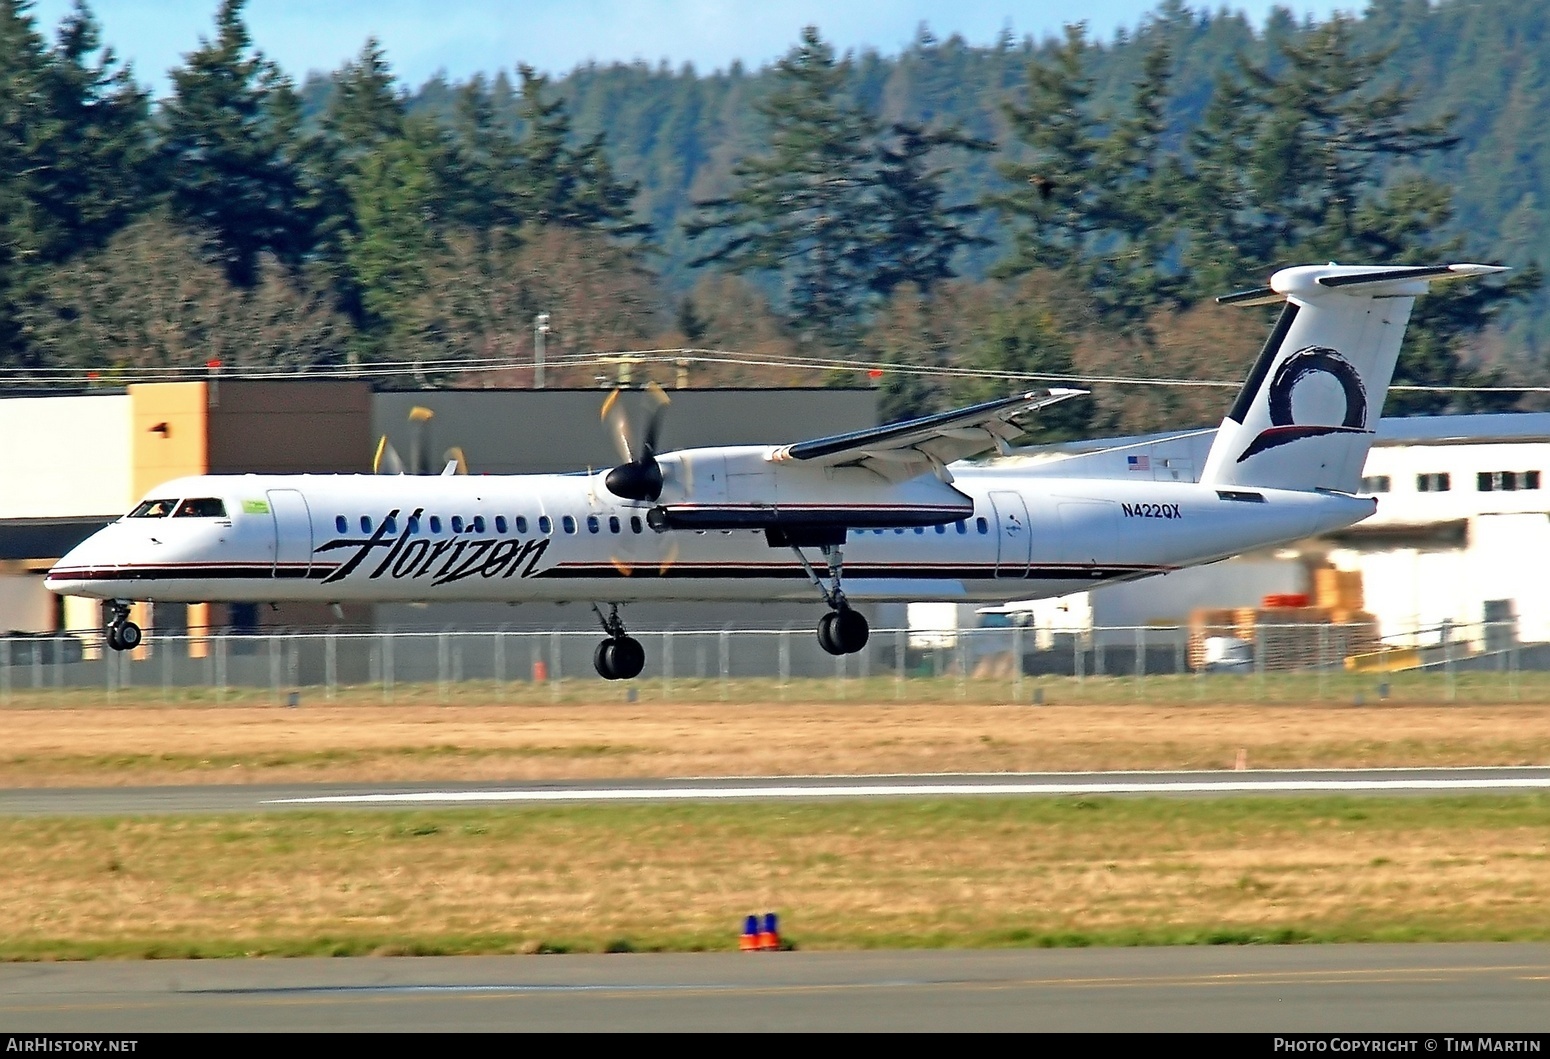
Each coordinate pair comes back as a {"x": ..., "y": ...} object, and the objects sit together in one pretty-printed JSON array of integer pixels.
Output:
[
  {"x": 123, "y": 634},
  {"x": 842, "y": 631},
  {"x": 621, "y": 656}
]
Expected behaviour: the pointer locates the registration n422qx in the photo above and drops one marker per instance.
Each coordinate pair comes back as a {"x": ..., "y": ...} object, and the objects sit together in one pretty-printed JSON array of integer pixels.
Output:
[{"x": 891, "y": 513}]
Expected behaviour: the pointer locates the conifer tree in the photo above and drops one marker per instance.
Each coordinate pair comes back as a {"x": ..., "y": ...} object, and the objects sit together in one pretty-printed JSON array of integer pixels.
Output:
[{"x": 232, "y": 148}]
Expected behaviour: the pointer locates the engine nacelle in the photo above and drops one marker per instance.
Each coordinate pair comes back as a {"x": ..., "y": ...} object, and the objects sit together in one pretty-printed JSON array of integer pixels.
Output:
[{"x": 742, "y": 488}]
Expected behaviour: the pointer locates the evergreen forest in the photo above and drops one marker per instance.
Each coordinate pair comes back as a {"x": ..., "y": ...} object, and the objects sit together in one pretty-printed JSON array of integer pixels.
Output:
[{"x": 949, "y": 224}]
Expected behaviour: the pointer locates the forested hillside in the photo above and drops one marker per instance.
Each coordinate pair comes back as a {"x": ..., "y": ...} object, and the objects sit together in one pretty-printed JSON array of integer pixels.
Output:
[{"x": 948, "y": 223}]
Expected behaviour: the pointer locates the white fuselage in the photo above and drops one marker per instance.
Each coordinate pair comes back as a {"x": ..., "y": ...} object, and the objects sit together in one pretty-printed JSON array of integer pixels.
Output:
[{"x": 516, "y": 538}]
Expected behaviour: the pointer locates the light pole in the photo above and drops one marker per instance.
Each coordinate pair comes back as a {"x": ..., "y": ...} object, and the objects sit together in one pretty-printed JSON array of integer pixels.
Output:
[{"x": 540, "y": 329}]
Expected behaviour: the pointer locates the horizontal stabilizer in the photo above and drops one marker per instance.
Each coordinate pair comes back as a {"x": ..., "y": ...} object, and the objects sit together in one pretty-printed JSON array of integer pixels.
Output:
[{"x": 1373, "y": 282}]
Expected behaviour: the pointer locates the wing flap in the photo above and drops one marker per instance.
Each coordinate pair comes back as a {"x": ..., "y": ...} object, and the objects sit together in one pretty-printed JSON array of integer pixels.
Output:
[{"x": 917, "y": 446}]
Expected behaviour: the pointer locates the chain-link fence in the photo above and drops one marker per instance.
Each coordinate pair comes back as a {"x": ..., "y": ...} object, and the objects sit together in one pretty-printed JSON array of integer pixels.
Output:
[{"x": 1017, "y": 664}]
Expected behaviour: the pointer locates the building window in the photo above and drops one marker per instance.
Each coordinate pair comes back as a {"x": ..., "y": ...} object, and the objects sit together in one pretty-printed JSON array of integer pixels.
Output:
[
  {"x": 1506, "y": 481},
  {"x": 1377, "y": 483},
  {"x": 1433, "y": 483}
]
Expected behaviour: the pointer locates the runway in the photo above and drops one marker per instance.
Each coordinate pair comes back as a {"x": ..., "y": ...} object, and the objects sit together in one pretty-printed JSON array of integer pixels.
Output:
[
  {"x": 1418, "y": 990},
  {"x": 136, "y": 801}
]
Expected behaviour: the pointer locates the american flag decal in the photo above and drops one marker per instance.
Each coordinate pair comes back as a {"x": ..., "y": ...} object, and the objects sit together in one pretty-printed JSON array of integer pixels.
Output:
[{"x": 1138, "y": 463}]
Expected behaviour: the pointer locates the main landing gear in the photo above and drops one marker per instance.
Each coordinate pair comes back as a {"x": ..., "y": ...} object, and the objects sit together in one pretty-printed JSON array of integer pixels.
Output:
[
  {"x": 123, "y": 634},
  {"x": 842, "y": 631},
  {"x": 620, "y": 657}
]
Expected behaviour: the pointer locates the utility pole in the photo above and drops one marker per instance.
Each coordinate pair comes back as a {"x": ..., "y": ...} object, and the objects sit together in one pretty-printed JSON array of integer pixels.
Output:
[{"x": 540, "y": 329}]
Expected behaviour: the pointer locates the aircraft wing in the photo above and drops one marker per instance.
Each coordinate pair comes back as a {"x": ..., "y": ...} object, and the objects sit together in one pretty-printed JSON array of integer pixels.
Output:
[{"x": 898, "y": 451}]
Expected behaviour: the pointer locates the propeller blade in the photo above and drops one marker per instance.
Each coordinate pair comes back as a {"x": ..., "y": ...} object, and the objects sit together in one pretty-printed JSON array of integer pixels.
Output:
[
  {"x": 386, "y": 460},
  {"x": 654, "y": 424},
  {"x": 454, "y": 459},
  {"x": 617, "y": 426},
  {"x": 670, "y": 558},
  {"x": 420, "y": 449}
]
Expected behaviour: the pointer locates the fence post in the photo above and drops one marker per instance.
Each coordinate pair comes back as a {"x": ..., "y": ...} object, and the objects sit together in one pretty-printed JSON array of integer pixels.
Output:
[
  {"x": 901, "y": 658},
  {"x": 1140, "y": 658},
  {"x": 273, "y": 642},
  {"x": 667, "y": 662},
  {"x": 1447, "y": 663},
  {"x": 389, "y": 675},
  {"x": 554, "y": 666},
  {"x": 220, "y": 668},
  {"x": 1512, "y": 668},
  {"x": 5, "y": 673},
  {"x": 498, "y": 650},
  {"x": 1259, "y": 660},
  {"x": 1017, "y": 662},
  {"x": 59, "y": 669},
  {"x": 1323, "y": 657},
  {"x": 785, "y": 660},
  {"x": 723, "y": 650},
  {"x": 1076, "y": 655},
  {"x": 330, "y": 664},
  {"x": 441, "y": 668}
]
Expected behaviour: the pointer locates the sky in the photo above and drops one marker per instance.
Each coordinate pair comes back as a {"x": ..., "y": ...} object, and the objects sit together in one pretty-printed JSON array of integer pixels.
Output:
[{"x": 464, "y": 37}]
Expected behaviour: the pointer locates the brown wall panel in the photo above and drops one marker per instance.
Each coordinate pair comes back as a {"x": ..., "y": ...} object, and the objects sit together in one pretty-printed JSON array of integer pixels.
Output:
[{"x": 290, "y": 427}]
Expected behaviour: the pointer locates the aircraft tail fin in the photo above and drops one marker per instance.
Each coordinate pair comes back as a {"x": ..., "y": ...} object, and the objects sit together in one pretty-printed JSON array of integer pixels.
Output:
[{"x": 1306, "y": 415}]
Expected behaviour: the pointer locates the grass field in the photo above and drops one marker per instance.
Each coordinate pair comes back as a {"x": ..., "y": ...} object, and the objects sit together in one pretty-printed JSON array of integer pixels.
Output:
[
  {"x": 977, "y": 872},
  {"x": 48, "y": 744},
  {"x": 865, "y": 873}
]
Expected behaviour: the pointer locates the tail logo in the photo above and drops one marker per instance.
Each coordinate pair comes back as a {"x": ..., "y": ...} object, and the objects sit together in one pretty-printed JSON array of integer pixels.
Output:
[{"x": 1284, "y": 429}]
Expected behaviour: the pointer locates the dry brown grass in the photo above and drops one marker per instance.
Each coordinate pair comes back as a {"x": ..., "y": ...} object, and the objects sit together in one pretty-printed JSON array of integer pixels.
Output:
[
  {"x": 967, "y": 871},
  {"x": 45, "y": 745}
]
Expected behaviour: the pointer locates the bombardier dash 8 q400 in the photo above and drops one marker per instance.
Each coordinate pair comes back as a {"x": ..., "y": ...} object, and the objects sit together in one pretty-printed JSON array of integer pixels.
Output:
[{"x": 889, "y": 513}]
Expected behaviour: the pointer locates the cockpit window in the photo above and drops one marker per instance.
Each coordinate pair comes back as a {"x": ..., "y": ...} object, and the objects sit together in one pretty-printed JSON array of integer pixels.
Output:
[
  {"x": 154, "y": 509},
  {"x": 201, "y": 507}
]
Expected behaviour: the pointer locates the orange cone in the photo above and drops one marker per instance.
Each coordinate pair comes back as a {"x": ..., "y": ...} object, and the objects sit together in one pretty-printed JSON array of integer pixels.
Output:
[
  {"x": 769, "y": 937},
  {"x": 749, "y": 941}
]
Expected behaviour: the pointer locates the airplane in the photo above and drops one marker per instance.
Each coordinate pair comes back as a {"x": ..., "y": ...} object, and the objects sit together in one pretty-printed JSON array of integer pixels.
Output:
[{"x": 891, "y": 513}]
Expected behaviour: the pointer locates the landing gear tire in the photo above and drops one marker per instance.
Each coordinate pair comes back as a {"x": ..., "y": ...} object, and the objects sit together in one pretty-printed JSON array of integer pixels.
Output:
[
  {"x": 843, "y": 632},
  {"x": 619, "y": 658},
  {"x": 123, "y": 634}
]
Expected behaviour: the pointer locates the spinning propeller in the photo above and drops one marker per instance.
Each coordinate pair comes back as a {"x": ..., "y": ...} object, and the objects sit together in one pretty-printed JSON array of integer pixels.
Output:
[
  {"x": 387, "y": 460},
  {"x": 639, "y": 477}
]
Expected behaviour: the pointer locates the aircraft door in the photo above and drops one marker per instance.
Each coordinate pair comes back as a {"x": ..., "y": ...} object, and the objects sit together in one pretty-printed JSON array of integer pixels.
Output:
[
  {"x": 292, "y": 533},
  {"x": 1014, "y": 542}
]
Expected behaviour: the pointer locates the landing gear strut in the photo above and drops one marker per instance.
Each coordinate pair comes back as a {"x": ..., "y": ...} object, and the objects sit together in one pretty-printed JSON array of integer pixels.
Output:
[
  {"x": 123, "y": 634},
  {"x": 620, "y": 657},
  {"x": 842, "y": 631}
]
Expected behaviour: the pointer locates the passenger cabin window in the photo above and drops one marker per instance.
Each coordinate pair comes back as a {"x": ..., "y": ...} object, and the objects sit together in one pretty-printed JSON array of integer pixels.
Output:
[
  {"x": 1377, "y": 483},
  {"x": 613, "y": 523},
  {"x": 414, "y": 523},
  {"x": 201, "y": 507},
  {"x": 963, "y": 527},
  {"x": 941, "y": 528},
  {"x": 568, "y": 524},
  {"x": 478, "y": 523},
  {"x": 635, "y": 526},
  {"x": 341, "y": 524},
  {"x": 390, "y": 525},
  {"x": 982, "y": 525},
  {"x": 544, "y": 525},
  {"x": 1506, "y": 481},
  {"x": 521, "y": 523},
  {"x": 365, "y": 523},
  {"x": 457, "y": 523},
  {"x": 592, "y": 524},
  {"x": 1433, "y": 483},
  {"x": 153, "y": 509},
  {"x": 435, "y": 523},
  {"x": 500, "y": 523}
]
